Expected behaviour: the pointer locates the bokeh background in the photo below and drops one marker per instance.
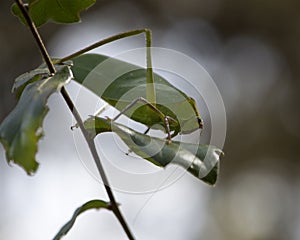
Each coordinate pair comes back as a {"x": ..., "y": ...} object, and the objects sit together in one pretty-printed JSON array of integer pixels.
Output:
[{"x": 252, "y": 51}]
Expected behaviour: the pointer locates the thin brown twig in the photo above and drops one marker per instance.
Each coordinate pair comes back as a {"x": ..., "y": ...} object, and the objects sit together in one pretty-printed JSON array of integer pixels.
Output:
[{"x": 69, "y": 102}]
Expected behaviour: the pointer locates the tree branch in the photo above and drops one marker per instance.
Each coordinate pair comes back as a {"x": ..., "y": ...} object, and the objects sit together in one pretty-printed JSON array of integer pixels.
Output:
[{"x": 69, "y": 102}]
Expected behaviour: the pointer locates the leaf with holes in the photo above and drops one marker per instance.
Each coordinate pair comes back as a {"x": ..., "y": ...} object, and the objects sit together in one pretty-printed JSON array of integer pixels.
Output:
[{"x": 22, "y": 128}]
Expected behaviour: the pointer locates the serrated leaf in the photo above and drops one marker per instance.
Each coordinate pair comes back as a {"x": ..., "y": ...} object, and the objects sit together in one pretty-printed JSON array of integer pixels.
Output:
[
  {"x": 59, "y": 11},
  {"x": 200, "y": 160},
  {"x": 93, "y": 204},
  {"x": 120, "y": 83},
  {"x": 22, "y": 128}
]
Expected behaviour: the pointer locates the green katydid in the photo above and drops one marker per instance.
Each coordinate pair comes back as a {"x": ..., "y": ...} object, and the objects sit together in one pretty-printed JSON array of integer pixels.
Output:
[{"x": 158, "y": 103}]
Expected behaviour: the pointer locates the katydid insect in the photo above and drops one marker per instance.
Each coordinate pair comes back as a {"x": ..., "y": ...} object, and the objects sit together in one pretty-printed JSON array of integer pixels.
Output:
[{"x": 156, "y": 103}]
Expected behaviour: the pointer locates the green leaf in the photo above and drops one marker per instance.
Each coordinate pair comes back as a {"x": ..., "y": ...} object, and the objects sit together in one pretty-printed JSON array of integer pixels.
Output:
[
  {"x": 22, "y": 128},
  {"x": 24, "y": 78},
  {"x": 200, "y": 160},
  {"x": 59, "y": 11},
  {"x": 41, "y": 72},
  {"x": 101, "y": 75},
  {"x": 93, "y": 204}
]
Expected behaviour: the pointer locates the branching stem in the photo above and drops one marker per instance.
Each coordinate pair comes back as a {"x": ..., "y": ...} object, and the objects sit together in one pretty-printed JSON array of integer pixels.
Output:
[{"x": 69, "y": 102}]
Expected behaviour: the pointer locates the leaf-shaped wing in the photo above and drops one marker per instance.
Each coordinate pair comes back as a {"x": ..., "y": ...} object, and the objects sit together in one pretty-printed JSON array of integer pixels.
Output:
[
  {"x": 200, "y": 160},
  {"x": 119, "y": 83}
]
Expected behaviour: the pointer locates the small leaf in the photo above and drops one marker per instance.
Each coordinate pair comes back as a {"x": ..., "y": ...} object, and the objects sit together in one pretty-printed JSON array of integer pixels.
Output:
[
  {"x": 28, "y": 76},
  {"x": 200, "y": 160},
  {"x": 59, "y": 11},
  {"x": 41, "y": 72},
  {"x": 93, "y": 204},
  {"x": 22, "y": 128}
]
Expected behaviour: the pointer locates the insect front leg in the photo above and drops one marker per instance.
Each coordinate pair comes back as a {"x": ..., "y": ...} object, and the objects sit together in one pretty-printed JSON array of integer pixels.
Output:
[{"x": 150, "y": 94}]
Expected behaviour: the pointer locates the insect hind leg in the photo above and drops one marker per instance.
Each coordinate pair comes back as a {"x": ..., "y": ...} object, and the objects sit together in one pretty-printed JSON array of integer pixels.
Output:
[{"x": 166, "y": 119}]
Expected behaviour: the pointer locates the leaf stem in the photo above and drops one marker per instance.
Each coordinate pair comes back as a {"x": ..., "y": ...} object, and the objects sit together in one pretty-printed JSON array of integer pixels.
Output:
[{"x": 69, "y": 102}]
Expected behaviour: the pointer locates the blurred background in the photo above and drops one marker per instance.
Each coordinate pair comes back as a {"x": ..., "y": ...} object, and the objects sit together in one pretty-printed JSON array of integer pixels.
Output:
[{"x": 250, "y": 48}]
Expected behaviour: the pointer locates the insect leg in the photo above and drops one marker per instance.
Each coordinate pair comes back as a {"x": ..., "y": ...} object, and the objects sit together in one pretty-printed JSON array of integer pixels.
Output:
[
  {"x": 150, "y": 94},
  {"x": 147, "y": 130},
  {"x": 165, "y": 118},
  {"x": 102, "y": 109}
]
